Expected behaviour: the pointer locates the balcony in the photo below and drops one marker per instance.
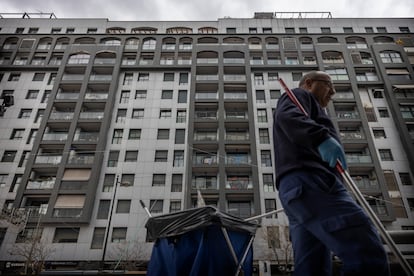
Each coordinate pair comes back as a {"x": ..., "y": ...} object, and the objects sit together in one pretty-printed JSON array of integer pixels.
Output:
[
  {"x": 55, "y": 137},
  {"x": 204, "y": 183},
  {"x": 238, "y": 159},
  {"x": 206, "y": 115},
  {"x": 48, "y": 159},
  {"x": 207, "y": 77},
  {"x": 104, "y": 61},
  {"x": 237, "y": 183},
  {"x": 234, "y": 60},
  {"x": 205, "y": 160},
  {"x": 234, "y": 77},
  {"x": 61, "y": 116},
  {"x": 237, "y": 136},
  {"x": 358, "y": 158},
  {"x": 67, "y": 212},
  {"x": 236, "y": 115},
  {"x": 206, "y": 95},
  {"x": 41, "y": 184},
  {"x": 100, "y": 77},
  {"x": 67, "y": 96},
  {"x": 91, "y": 115},
  {"x": 81, "y": 159},
  {"x": 205, "y": 136},
  {"x": 347, "y": 114},
  {"x": 207, "y": 60},
  {"x": 96, "y": 96},
  {"x": 235, "y": 96},
  {"x": 73, "y": 77},
  {"x": 366, "y": 183},
  {"x": 351, "y": 135},
  {"x": 87, "y": 137}
]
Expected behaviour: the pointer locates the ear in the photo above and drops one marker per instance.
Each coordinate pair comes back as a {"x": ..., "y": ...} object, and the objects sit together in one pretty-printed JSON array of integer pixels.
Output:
[{"x": 308, "y": 84}]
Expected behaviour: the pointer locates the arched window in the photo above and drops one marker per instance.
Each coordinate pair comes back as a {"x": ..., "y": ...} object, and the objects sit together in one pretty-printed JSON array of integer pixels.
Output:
[
  {"x": 332, "y": 57},
  {"x": 207, "y": 30},
  {"x": 149, "y": 44},
  {"x": 207, "y": 40},
  {"x": 356, "y": 42},
  {"x": 383, "y": 39},
  {"x": 144, "y": 30},
  {"x": 179, "y": 30},
  {"x": 10, "y": 43},
  {"x": 111, "y": 41},
  {"x": 45, "y": 43},
  {"x": 186, "y": 43},
  {"x": 168, "y": 43},
  {"x": 132, "y": 43},
  {"x": 79, "y": 58},
  {"x": 85, "y": 40},
  {"x": 391, "y": 57},
  {"x": 233, "y": 40},
  {"x": 105, "y": 58},
  {"x": 61, "y": 43},
  {"x": 272, "y": 43},
  {"x": 115, "y": 30},
  {"x": 327, "y": 40}
]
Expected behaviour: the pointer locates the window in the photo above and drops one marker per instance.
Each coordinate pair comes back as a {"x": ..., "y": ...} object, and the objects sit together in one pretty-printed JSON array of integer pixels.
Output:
[
  {"x": 46, "y": 96},
  {"x": 176, "y": 183},
  {"x": 131, "y": 155},
  {"x": 121, "y": 116},
  {"x": 156, "y": 205},
  {"x": 264, "y": 136},
  {"x": 179, "y": 136},
  {"x": 123, "y": 206},
  {"x": 17, "y": 179},
  {"x": 404, "y": 29},
  {"x": 113, "y": 158},
  {"x": 38, "y": 77},
  {"x": 127, "y": 179},
  {"x": 241, "y": 209},
  {"x": 32, "y": 94},
  {"x": 167, "y": 94},
  {"x": 137, "y": 113},
  {"x": 252, "y": 30},
  {"x": 405, "y": 178},
  {"x": 275, "y": 94},
  {"x": 383, "y": 112},
  {"x": 66, "y": 235},
  {"x": 128, "y": 77},
  {"x": 260, "y": 96},
  {"x": 325, "y": 30},
  {"x": 14, "y": 77},
  {"x": 303, "y": 30},
  {"x": 165, "y": 113},
  {"x": 32, "y": 136},
  {"x": 369, "y": 30},
  {"x": 70, "y": 30},
  {"x": 92, "y": 31},
  {"x": 140, "y": 94},
  {"x": 270, "y": 205},
  {"x": 262, "y": 116},
  {"x": 161, "y": 156},
  {"x": 258, "y": 79},
  {"x": 168, "y": 77},
  {"x": 183, "y": 78},
  {"x": 52, "y": 78},
  {"x": 103, "y": 209},
  {"x": 181, "y": 116},
  {"x": 290, "y": 30},
  {"x": 175, "y": 206},
  {"x": 377, "y": 93},
  {"x": 182, "y": 96},
  {"x": 143, "y": 77},
  {"x": 124, "y": 96},
  {"x": 158, "y": 180},
  {"x": 8, "y": 156},
  {"x": 163, "y": 134},
  {"x": 381, "y": 29},
  {"x": 19, "y": 30},
  {"x": 268, "y": 185},
  {"x": 98, "y": 238},
  {"x": 119, "y": 234},
  {"x": 267, "y": 30},
  {"x": 385, "y": 154},
  {"x": 379, "y": 133},
  {"x": 33, "y": 30},
  {"x": 266, "y": 158},
  {"x": 296, "y": 76},
  {"x": 3, "y": 179},
  {"x": 272, "y": 76},
  {"x": 178, "y": 158},
  {"x": 39, "y": 115},
  {"x": 56, "y": 30},
  {"x": 17, "y": 134},
  {"x": 117, "y": 136},
  {"x": 410, "y": 203},
  {"x": 231, "y": 30},
  {"x": 25, "y": 113},
  {"x": 348, "y": 30},
  {"x": 108, "y": 183},
  {"x": 134, "y": 134}
]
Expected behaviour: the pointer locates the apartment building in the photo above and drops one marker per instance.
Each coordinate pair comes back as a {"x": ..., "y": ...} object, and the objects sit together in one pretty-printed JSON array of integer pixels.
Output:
[{"x": 105, "y": 114}]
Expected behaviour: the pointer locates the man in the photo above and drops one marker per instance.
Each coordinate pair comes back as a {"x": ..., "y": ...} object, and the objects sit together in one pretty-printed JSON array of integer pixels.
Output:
[{"x": 323, "y": 218}]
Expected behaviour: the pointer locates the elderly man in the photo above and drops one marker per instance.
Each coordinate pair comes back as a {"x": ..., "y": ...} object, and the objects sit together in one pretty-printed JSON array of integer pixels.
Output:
[{"x": 323, "y": 218}]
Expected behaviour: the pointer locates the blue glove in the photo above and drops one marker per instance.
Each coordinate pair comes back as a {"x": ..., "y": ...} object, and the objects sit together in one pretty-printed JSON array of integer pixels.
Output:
[{"x": 330, "y": 151}]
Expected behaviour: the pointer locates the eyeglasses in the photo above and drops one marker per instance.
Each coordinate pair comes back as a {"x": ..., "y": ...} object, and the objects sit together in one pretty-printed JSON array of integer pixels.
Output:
[{"x": 327, "y": 82}]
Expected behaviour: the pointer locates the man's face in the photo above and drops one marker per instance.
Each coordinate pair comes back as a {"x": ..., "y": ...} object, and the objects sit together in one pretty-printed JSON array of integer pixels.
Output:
[{"x": 322, "y": 87}]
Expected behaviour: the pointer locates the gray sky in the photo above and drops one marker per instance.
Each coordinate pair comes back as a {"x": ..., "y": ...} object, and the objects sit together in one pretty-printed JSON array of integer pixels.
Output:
[{"x": 165, "y": 10}]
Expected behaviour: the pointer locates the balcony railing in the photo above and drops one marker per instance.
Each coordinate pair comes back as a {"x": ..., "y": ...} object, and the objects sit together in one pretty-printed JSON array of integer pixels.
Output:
[
  {"x": 87, "y": 137},
  {"x": 104, "y": 61},
  {"x": 206, "y": 96},
  {"x": 234, "y": 60},
  {"x": 40, "y": 185},
  {"x": 72, "y": 77},
  {"x": 204, "y": 184},
  {"x": 81, "y": 159},
  {"x": 352, "y": 135},
  {"x": 206, "y": 115},
  {"x": 100, "y": 77},
  {"x": 347, "y": 114},
  {"x": 212, "y": 136},
  {"x": 205, "y": 160},
  {"x": 55, "y": 136},
  {"x": 242, "y": 159},
  {"x": 206, "y": 77},
  {"x": 47, "y": 159},
  {"x": 91, "y": 115},
  {"x": 237, "y": 136},
  {"x": 239, "y": 184},
  {"x": 235, "y": 96},
  {"x": 234, "y": 78},
  {"x": 236, "y": 115},
  {"x": 365, "y": 183},
  {"x": 358, "y": 158},
  {"x": 61, "y": 115},
  {"x": 96, "y": 96},
  {"x": 207, "y": 60},
  {"x": 67, "y": 212},
  {"x": 67, "y": 96}
]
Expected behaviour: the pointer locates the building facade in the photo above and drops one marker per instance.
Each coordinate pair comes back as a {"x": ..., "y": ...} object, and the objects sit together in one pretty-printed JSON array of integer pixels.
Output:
[{"x": 108, "y": 113}]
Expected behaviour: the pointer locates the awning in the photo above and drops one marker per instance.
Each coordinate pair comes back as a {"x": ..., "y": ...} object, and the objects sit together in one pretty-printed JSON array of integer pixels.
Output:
[
  {"x": 70, "y": 201},
  {"x": 404, "y": 86},
  {"x": 397, "y": 71}
]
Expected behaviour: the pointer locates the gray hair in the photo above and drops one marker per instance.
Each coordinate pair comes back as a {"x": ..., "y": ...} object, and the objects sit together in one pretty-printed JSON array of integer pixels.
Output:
[{"x": 310, "y": 75}]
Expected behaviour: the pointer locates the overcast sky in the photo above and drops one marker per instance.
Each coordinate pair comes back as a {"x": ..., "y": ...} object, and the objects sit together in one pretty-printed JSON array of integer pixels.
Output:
[{"x": 177, "y": 10}]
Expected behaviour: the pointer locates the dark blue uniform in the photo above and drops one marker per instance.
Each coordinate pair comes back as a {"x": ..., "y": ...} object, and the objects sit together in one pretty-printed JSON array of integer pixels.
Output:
[{"x": 322, "y": 215}]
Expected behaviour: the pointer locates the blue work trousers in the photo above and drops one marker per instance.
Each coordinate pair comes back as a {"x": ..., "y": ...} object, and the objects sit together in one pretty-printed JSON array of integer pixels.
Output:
[{"x": 324, "y": 218}]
